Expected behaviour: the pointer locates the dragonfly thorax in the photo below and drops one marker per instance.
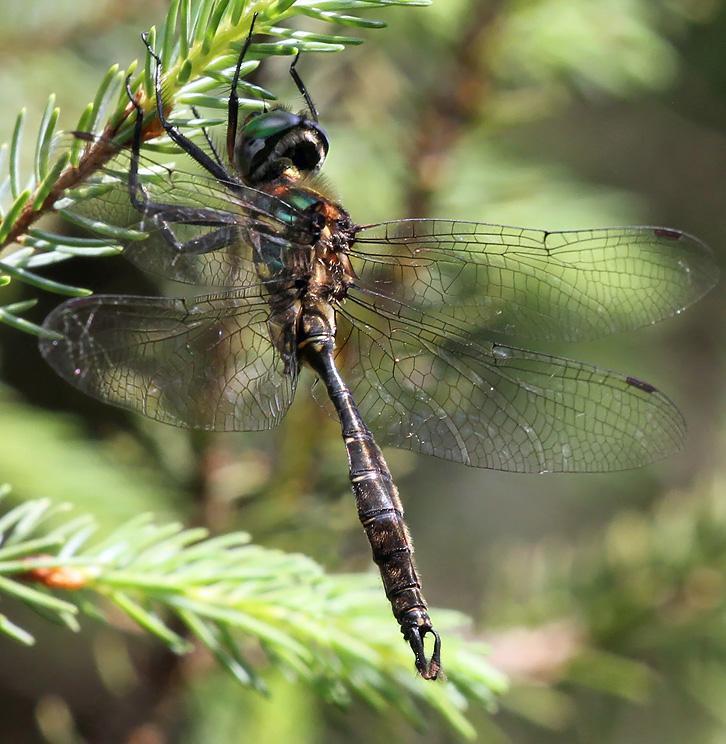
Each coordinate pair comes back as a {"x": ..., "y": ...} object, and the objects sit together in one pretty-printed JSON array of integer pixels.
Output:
[
  {"x": 279, "y": 142},
  {"x": 332, "y": 272}
]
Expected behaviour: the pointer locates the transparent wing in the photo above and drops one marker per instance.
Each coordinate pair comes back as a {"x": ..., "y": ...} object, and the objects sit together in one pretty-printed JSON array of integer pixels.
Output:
[
  {"x": 214, "y": 235},
  {"x": 569, "y": 286},
  {"x": 422, "y": 388},
  {"x": 206, "y": 363}
]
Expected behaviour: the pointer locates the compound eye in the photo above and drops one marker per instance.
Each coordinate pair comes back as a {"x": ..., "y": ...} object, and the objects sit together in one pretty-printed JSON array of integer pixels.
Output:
[
  {"x": 257, "y": 138},
  {"x": 276, "y": 142},
  {"x": 269, "y": 124}
]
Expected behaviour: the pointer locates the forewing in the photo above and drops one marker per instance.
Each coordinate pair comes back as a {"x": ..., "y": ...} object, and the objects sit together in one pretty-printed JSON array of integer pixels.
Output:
[
  {"x": 496, "y": 406},
  {"x": 213, "y": 231},
  {"x": 570, "y": 285},
  {"x": 207, "y": 363}
]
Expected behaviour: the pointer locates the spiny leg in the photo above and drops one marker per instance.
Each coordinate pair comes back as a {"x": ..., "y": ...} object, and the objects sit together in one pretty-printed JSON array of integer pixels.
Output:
[
  {"x": 211, "y": 144},
  {"x": 207, "y": 243},
  {"x": 168, "y": 212},
  {"x": 134, "y": 186},
  {"x": 175, "y": 135},
  {"x": 301, "y": 87},
  {"x": 233, "y": 103},
  {"x": 164, "y": 214}
]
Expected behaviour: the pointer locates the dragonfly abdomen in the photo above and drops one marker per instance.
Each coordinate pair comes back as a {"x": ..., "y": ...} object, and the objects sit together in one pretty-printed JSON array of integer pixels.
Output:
[
  {"x": 391, "y": 546},
  {"x": 379, "y": 508},
  {"x": 381, "y": 514}
]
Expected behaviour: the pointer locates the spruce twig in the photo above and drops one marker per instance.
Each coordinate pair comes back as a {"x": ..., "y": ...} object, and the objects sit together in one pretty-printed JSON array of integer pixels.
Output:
[
  {"x": 236, "y": 599},
  {"x": 199, "y": 42}
]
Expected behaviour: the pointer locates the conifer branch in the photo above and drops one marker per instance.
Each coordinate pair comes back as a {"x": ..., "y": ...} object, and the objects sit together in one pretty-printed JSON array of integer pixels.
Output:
[
  {"x": 199, "y": 41},
  {"x": 333, "y": 632}
]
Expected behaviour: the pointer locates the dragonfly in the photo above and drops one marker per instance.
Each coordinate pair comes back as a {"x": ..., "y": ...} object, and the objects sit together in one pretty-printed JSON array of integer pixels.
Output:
[{"x": 405, "y": 322}]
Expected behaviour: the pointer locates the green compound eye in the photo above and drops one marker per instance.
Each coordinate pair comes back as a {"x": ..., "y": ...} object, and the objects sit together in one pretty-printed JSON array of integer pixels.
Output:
[
  {"x": 269, "y": 124},
  {"x": 272, "y": 142}
]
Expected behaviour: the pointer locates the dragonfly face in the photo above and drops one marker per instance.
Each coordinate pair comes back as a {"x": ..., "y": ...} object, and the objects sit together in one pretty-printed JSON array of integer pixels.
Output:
[
  {"x": 279, "y": 142},
  {"x": 421, "y": 306}
]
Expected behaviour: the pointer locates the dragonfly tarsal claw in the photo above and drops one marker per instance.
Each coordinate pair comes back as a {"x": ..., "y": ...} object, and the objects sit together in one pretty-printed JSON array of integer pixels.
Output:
[{"x": 415, "y": 637}]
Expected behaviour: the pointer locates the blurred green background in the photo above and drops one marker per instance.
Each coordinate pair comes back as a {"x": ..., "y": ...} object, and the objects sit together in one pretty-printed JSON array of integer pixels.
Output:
[{"x": 603, "y": 596}]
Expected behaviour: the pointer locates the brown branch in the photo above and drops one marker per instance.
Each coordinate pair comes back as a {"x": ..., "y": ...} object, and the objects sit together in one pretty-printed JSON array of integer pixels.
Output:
[{"x": 95, "y": 156}]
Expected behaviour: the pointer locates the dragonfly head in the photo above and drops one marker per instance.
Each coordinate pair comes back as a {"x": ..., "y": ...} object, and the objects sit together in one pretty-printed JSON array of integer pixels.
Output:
[{"x": 274, "y": 142}]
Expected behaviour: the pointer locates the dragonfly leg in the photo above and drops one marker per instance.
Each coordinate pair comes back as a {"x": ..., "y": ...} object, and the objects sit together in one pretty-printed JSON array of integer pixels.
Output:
[
  {"x": 211, "y": 241},
  {"x": 233, "y": 103},
  {"x": 137, "y": 193},
  {"x": 164, "y": 214},
  {"x": 210, "y": 142},
  {"x": 135, "y": 188},
  {"x": 301, "y": 87},
  {"x": 191, "y": 148}
]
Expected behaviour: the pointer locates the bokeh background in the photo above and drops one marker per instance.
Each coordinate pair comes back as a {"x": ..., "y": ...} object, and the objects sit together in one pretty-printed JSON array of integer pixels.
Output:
[{"x": 603, "y": 596}]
